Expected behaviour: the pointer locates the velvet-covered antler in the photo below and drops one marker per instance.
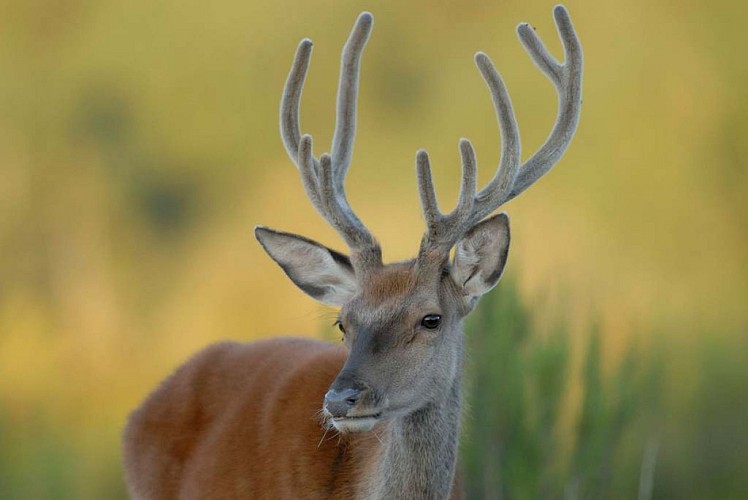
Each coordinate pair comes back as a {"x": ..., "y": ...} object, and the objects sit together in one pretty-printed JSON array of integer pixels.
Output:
[
  {"x": 324, "y": 178},
  {"x": 512, "y": 177}
]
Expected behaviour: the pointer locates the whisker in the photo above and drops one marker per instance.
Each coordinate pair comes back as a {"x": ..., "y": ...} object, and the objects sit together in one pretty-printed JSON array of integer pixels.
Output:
[
  {"x": 378, "y": 438},
  {"x": 323, "y": 437}
]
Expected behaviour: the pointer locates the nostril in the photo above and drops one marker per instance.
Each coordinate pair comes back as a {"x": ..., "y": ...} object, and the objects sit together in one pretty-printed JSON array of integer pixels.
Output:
[
  {"x": 352, "y": 399},
  {"x": 337, "y": 403}
]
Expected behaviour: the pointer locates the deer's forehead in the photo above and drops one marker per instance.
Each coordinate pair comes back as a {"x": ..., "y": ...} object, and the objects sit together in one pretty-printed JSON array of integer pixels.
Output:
[
  {"x": 391, "y": 295},
  {"x": 390, "y": 282}
]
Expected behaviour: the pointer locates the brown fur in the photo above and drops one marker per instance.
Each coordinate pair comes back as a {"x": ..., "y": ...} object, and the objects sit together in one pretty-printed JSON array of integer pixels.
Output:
[
  {"x": 242, "y": 421},
  {"x": 393, "y": 281}
]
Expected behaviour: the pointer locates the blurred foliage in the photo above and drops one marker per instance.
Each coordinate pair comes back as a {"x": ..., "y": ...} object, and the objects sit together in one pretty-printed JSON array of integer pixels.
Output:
[
  {"x": 546, "y": 422},
  {"x": 521, "y": 392},
  {"x": 139, "y": 145}
]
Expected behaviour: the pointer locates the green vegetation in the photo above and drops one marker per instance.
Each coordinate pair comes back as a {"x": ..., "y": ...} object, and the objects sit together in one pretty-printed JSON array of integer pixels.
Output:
[{"x": 545, "y": 422}]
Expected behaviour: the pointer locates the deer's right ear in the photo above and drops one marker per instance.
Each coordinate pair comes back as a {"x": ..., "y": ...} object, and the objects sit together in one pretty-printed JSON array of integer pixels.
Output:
[
  {"x": 320, "y": 272},
  {"x": 480, "y": 257}
]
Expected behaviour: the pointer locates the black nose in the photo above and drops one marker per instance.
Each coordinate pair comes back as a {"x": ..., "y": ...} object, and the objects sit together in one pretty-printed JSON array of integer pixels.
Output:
[{"x": 338, "y": 402}]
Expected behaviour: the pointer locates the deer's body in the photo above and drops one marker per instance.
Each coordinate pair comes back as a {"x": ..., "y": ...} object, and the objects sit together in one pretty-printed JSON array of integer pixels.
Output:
[
  {"x": 218, "y": 419},
  {"x": 244, "y": 420}
]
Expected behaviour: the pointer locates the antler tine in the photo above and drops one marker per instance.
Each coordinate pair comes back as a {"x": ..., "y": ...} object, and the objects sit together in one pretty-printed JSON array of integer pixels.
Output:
[
  {"x": 429, "y": 204},
  {"x": 567, "y": 78},
  {"x": 496, "y": 191},
  {"x": 440, "y": 227},
  {"x": 342, "y": 218},
  {"x": 289, "y": 109},
  {"x": 345, "y": 122},
  {"x": 323, "y": 179},
  {"x": 466, "y": 201},
  {"x": 309, "y": 168}
]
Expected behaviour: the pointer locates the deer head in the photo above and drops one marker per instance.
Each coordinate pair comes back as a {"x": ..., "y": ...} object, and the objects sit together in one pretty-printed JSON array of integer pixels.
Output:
[{"x": 402, "y": 321}]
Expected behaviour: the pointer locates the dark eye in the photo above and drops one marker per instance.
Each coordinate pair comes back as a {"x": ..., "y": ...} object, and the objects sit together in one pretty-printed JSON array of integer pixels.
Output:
[{"x": 431, "y": 321}]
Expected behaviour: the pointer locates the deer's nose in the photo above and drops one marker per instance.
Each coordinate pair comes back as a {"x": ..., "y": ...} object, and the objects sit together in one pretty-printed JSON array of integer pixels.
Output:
[{"x": 339, "y": 402}]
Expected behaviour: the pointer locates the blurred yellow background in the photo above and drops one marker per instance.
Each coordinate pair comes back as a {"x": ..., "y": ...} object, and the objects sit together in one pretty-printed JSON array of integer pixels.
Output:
[{"x": 139, "y": 146}]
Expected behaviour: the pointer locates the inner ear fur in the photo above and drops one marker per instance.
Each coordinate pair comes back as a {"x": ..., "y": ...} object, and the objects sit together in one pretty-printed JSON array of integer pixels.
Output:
[
  {"x": 480, "y": 257},
  {"x": 320, "y": 272}
]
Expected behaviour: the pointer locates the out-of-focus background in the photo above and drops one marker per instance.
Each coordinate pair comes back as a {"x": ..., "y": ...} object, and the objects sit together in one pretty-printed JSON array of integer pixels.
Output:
[{"x": 139, "y": 146}]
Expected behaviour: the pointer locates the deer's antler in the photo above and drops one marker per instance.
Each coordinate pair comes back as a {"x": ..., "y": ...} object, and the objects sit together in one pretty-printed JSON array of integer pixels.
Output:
[
  {"x": 512, "y": 177},
  {"x": 324, "y": 178}
]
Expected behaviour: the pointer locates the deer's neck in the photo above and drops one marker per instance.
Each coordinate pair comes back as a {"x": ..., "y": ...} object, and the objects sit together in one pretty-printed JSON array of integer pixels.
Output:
[{"x": 419, "y": 454}]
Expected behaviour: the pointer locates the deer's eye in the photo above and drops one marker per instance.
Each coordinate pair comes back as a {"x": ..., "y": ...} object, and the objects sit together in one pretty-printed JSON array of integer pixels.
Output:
[{"x": 431, "y": 321}]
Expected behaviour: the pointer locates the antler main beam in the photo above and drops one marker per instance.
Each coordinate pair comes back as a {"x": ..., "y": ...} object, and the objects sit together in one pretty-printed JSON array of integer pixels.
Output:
[
  {"x": 512, "y": 177},
  {"x": 324, "y": 178}
]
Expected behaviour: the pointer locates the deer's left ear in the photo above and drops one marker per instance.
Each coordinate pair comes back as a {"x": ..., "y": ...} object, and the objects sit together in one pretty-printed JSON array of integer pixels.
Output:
[
  {"x": 480, "y": 257},
  {"x": 320, "y": 272}
]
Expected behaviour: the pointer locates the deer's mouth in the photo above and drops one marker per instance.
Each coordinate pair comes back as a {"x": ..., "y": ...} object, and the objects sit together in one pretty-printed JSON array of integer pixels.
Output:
[
  {"x": 375, "y": 416},
  {"x": 355, "y": 423}
]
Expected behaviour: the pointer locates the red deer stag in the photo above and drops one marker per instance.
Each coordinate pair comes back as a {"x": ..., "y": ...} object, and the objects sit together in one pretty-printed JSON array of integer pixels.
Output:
[{"x": 244, "y": 420}]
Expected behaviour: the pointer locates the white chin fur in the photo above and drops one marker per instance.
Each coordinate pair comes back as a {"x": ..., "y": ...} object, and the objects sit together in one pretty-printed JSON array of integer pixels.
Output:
[{"x": 346, "y": 425}]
